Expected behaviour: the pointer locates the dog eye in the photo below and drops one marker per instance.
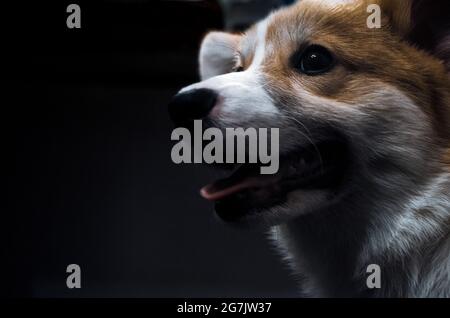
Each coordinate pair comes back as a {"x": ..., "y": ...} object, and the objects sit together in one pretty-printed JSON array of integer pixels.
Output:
[
  {"x": 238, "y": 69},
  {"x": 316, "y": 60}
]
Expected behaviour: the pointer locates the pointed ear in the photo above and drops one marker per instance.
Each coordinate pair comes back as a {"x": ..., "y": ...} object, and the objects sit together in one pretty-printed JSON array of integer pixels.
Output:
[
  {"x": 425, "y": 23},
  {"x": 218, "y": 54}
]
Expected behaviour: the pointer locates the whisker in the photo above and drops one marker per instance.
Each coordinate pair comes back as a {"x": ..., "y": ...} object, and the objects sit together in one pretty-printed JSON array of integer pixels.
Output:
[{"x": 307, "y": 136}]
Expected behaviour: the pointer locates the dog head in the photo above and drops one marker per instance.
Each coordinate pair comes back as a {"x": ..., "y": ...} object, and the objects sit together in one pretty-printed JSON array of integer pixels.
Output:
[{"x": 363, "y": 111}]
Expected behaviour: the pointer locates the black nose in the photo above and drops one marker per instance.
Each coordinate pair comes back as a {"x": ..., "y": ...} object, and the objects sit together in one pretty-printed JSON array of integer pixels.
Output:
[{"x": 194, "y": 104}]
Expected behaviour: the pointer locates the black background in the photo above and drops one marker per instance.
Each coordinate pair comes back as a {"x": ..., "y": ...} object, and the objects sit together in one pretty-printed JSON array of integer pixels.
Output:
[{"x": 89, "y": 178}]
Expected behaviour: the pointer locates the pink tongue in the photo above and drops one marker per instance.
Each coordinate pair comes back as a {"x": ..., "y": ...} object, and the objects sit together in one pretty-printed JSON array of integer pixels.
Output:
[
  {"x": 236, "y": 183},
  {"x": 212, "y": 192}
]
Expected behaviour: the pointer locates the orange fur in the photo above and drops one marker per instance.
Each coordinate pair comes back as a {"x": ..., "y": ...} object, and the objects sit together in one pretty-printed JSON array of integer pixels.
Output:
[{"x": 363, "y": 55}]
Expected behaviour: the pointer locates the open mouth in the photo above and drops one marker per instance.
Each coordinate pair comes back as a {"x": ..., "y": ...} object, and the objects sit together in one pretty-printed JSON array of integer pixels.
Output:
[{"x": 247, "y": 192}]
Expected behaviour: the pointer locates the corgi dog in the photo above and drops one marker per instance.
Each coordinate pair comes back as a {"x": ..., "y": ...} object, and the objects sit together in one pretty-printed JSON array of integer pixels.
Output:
[{"x": 364, "y": 140}]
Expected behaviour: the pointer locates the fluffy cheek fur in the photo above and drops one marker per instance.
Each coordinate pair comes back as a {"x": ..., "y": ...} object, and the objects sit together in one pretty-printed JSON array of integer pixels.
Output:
[{"x": 390, "y": 142}]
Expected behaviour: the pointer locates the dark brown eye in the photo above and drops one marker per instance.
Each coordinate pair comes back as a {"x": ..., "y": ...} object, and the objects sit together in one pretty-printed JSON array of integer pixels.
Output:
[
  {"x": 239, "y": 69},
  {"x": 316, "y": 60}
]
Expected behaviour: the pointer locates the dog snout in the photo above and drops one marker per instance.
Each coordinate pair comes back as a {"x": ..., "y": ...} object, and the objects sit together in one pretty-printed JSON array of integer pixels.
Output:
[{"x": 194, "y": 104}]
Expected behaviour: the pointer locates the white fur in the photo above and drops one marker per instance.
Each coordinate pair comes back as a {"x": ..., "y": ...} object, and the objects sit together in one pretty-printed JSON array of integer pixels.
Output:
[
  {"x": 261, "y": 48},
  {"x": 242, "y": 97}
]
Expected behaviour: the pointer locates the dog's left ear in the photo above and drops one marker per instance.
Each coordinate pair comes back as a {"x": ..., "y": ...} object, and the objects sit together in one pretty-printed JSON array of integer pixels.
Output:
[
  {"x": 425, "y": 23},
  {"x": 218, "y": 54}
]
